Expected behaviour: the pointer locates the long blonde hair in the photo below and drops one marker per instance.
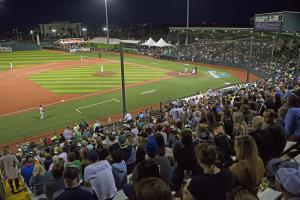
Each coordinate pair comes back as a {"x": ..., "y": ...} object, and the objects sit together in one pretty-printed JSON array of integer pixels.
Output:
[
  {"x": 247, "y": 155},
  {"x": 38, "y": 170}
]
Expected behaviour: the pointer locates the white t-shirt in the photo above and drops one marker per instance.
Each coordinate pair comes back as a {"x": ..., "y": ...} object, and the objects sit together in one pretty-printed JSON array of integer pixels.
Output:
[
  {"x": 128, "y": 117},
  {"x": 100, "y": 176}
]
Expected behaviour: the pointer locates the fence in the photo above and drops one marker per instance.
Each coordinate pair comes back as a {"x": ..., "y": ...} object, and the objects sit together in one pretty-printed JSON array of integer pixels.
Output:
[{"x": 243, "y": 66}]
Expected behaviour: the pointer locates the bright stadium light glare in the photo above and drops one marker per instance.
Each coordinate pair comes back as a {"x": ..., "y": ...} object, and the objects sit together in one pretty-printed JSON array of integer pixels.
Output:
[
  {"x": 31, "y": 32},
  {"x": 83, "y": 29},
  {"x": 104, "y": 29},
  {"x": 107, "y": 30},
  {"x": 53, "y": 30}
]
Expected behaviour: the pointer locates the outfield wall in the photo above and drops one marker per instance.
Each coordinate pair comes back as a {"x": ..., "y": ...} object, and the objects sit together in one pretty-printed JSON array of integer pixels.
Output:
[
  {"x": 242, "y": 66},
  {"x": 25, "y": 47}
]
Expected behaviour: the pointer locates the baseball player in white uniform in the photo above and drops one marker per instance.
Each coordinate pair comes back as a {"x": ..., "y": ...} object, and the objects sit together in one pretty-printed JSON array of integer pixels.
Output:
[
  {"x": 41, "y": 109},
  {"x": 101, "y": 68},
  {"x": 11, "y": 65},
  {"x": 81, "y": 58}
]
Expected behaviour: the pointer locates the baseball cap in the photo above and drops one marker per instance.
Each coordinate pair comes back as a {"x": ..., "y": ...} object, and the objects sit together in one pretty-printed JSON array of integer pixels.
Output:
[
  {"x": 75, "y": 164},
  {"x": 151, "y": 147},
  {"x": 287, "y": 173},
  {"x": 290, "y": 179}
]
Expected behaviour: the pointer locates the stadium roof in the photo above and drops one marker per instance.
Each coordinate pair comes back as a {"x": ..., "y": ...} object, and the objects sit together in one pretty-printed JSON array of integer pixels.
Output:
[
  {"x": 115, "y": 41},
  {"x": 209, "y": 29}
]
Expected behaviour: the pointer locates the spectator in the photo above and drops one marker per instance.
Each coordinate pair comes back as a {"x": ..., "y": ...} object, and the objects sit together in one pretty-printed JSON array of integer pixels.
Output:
[
  {"x": 119, "y": 169},
  {"x": 239, "y": 125},
  {"x": 37, "y": 180},
  {"x": 156, "y": 145},
  {"x": 143, "y": 170},
  {"x": 249, "y": 168},
  {"x": 263, "y": 139},
  {"x": 54, "y": 180},
  {"x": 288, "y": 180},
  {"x": 9, "y": 168},
  {"x": 223, "y": 145},
  {"x": 277, "y": 132},
  {"x": 99, "y": 175},
  {"x": 73, "y": 190},
  {"x": 141, "y": 147},
  {"x": 128, "y": 151},
  {"x": 214, "y": 183},
  {"x": 184, "y": 162},
  {"x": 292, "y": 118},
  {"x": 27, "y": 170},
  {"x": 152, "y": 189}
]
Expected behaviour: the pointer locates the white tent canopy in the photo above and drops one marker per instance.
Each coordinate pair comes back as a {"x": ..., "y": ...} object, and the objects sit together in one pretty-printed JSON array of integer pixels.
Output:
[
  {"x": 162, "y": 43},
  {"x": 150, "y": 43}
]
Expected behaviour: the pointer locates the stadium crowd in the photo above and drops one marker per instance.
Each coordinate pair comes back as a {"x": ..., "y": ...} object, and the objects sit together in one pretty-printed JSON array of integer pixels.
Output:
[
  {"x": 215, "y": 146},
  {"x": 224, "y": 144},
  {"x": 267, "y": 56}
]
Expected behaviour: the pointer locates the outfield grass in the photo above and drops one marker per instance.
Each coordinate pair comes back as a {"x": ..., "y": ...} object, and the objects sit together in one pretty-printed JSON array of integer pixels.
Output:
[
  {"x": 27, "y": 58},
  {"x": 26, "y": 124},
  {"x": 83, "y": 79}
]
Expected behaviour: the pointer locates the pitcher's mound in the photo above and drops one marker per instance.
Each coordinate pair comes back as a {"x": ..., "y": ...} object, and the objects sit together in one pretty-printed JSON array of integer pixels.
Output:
[
  {"x": 182, "y": 74},
  {"x": 104, "y": 74}
]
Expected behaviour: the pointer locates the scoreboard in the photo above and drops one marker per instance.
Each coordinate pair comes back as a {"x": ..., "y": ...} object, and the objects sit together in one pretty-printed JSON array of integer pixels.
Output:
[
  {"x": 268, "y": 22},
  {"x": 278, "y": 21}
]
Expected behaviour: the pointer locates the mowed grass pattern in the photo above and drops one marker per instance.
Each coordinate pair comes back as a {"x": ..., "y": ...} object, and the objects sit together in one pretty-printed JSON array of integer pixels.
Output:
[
  {"x": 84, "y": 80},
  {"x": 29, "y": 58}
]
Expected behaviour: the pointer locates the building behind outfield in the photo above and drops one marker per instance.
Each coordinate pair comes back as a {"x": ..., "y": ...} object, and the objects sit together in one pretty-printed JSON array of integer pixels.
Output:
[{"x": 61, "y": 29}]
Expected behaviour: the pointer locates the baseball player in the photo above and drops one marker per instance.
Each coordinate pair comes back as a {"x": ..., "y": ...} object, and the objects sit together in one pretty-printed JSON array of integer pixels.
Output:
[
  {"x": 101, "y": 68},
  {"x": 186, "y": 69},
  {"x": 81, "y": 58},
  {"x": 41, "y": 109},
  {"x": 11, "y": 65}
]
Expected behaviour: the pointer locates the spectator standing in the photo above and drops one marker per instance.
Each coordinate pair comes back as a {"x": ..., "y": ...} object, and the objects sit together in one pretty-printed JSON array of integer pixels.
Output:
[{"x": 9, "y": 168}]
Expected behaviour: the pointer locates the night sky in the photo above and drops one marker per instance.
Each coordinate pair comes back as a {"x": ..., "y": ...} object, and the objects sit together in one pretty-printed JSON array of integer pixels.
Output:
[{"x": 236, "y": 12}]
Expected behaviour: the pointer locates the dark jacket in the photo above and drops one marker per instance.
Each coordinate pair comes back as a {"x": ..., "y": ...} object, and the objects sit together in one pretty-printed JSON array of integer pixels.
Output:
[
  {"x": 224, "y": 150},
  {"x": 264, "y": 142},
  {"x": 279, "y": 138},
  {"x": 53, "y": 185}
]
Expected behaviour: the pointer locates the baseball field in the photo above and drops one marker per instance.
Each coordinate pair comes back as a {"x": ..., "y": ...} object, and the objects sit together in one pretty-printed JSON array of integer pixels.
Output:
[{"x": 72, "y": 90}]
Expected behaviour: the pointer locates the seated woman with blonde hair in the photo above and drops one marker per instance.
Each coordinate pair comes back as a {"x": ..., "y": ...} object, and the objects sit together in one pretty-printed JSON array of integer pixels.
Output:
[
  {"x": 249, "y": 170},
  {"x": 38, "y": 179}
]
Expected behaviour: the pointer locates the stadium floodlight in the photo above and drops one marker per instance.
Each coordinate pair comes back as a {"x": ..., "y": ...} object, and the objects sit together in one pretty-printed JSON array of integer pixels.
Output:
[
  {"x": 104, "y": 29},
  {"x": 187, "y": 21},
  {"x": 32, "y": 35},
  {"x": 106, "y": 14},
  {"x": 84, "y": 29}
]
